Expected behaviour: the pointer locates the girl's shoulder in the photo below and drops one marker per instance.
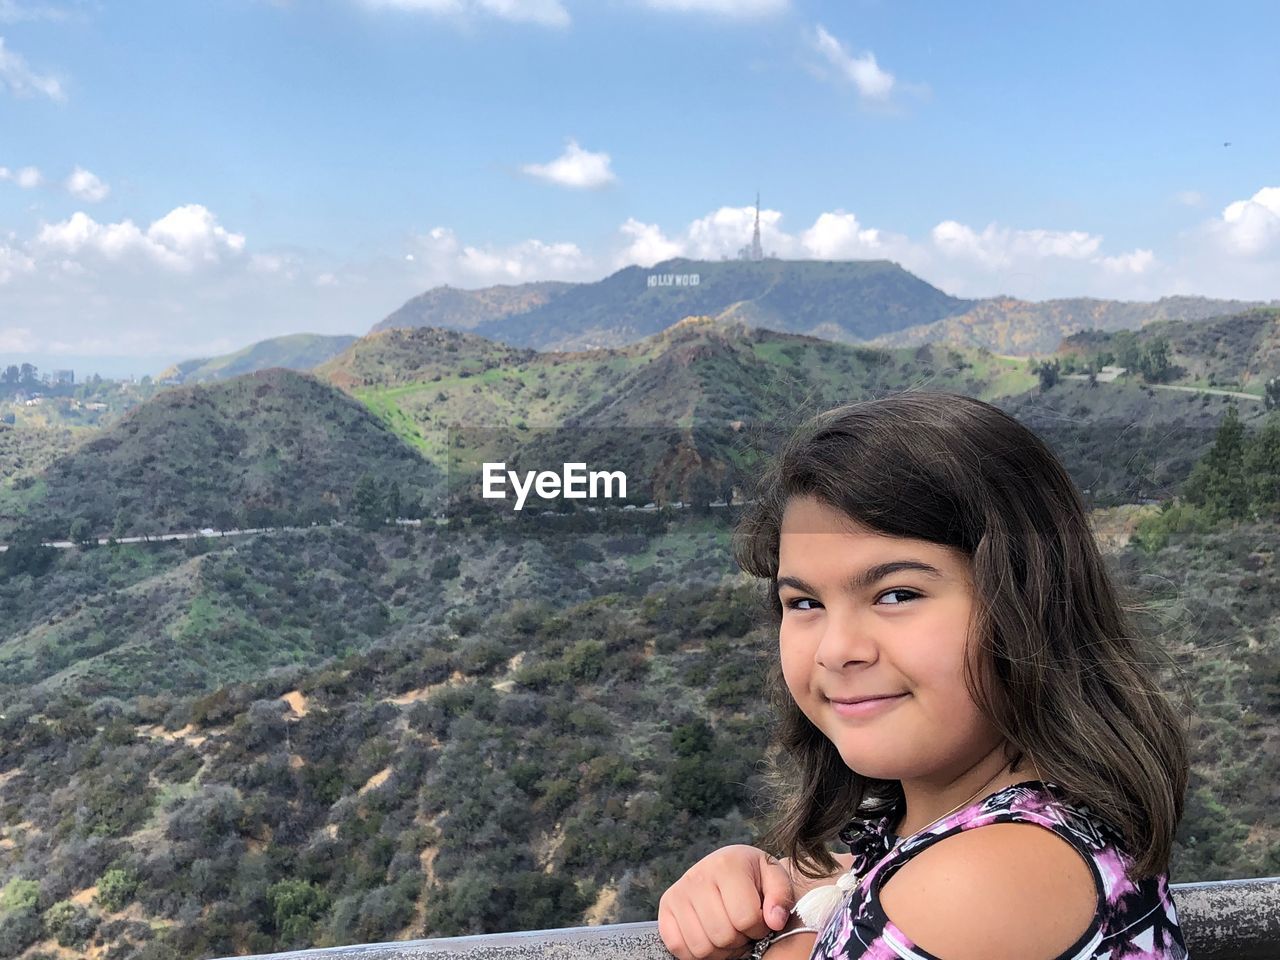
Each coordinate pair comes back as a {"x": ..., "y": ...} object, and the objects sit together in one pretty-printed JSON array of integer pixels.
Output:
[{"x": 1139, "y": 915}]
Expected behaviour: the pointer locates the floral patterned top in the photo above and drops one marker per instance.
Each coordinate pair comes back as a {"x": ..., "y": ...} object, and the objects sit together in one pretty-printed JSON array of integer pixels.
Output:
[{"x": 1133, "y": 921}]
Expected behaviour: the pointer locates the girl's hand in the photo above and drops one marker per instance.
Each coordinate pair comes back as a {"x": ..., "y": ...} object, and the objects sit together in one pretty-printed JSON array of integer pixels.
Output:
[{"x": 726, "y": 900}]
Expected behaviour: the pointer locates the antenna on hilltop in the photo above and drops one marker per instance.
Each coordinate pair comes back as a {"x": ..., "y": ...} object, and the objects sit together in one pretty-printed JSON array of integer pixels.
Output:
[{"x": 755, "y": 251}]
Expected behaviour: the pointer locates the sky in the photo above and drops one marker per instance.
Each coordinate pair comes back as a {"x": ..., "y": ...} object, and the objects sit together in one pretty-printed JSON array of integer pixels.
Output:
[{"x": 181, "y": 179}]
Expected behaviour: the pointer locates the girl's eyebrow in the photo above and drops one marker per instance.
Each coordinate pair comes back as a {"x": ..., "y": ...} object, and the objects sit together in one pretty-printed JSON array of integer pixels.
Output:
[{"x": 872, "y": 575}]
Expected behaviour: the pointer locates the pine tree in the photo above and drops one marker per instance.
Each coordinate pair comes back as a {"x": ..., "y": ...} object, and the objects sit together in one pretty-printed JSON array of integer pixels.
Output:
[
  {"x": 1272, "y": 398},
  {"x": 367, "y": 502},
  {"x": 1154, "y": 363},
  {"x": 1262, "y": 469},
  {"x": 393, "y": 500},
  {"x": 1217, "y": 482}
]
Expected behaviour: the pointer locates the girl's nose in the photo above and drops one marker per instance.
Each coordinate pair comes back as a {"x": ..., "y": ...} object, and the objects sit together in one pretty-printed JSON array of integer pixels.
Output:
[{"x": 843, "y": 642}]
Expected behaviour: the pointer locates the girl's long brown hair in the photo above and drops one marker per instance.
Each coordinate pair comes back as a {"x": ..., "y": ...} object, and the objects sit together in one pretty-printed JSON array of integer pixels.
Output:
[{"x": 1066, "y": 677}]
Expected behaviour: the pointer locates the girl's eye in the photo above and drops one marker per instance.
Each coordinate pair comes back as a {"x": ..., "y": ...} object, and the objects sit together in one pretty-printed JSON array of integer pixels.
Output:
[{"x": 792, "y": 604}]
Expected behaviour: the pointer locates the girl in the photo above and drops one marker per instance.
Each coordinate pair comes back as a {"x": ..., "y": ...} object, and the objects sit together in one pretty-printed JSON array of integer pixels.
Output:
[{"x": 965, "y": 701}]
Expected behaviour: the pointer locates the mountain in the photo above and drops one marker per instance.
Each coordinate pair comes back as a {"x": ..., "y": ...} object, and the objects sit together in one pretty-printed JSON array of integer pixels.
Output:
[
  {"x": 835, "y": 299},
  {"x": 679, "y": 406},
  {"x": 261, "y": 449},
  {"x": 1010, "y": 326},
  {"x": 547, "y": 763},
  {"x": 330, "y": 736},
  {"x": 297, "y": 351},
  {"x": 1240, "y": 351},
  {"x": 401, "y": 355},
  {"x": 875, "y": 302},
  {"x": 457, "y": 309}
]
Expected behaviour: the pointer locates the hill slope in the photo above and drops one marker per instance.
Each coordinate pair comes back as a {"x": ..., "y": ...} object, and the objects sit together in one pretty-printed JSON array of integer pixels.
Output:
[
  {"x": 297, "y": 351},
  {"x": 1010, "y": 326},
  {"x": 854, "y": 299},
  {"x": 447, "y": 306},
  {"x": 263, "y": 448}
]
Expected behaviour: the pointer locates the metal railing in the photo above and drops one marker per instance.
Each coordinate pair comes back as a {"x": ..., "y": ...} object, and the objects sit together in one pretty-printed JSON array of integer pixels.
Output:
[{"x": 1221, "y": 920}]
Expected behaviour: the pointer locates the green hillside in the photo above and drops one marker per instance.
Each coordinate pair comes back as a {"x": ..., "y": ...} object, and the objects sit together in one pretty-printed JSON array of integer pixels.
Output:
[
  {"x": 570, "y": 758},
  {"x": 1238, "y": 352},
  {"x": 1010, "y": 326},
  {"x": 296, "y": 351},
  {"x": 336, "y": 735},
  {"x": 447, "y": 306},
  {"x": 1123, "y": 441},
  {"x": 265, "y": 448}
]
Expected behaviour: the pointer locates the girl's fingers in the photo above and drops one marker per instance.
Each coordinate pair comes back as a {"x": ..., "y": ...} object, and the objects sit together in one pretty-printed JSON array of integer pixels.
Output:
[
  {"x": 705, "y": 933},
  {"x": 776, "y": 891}
]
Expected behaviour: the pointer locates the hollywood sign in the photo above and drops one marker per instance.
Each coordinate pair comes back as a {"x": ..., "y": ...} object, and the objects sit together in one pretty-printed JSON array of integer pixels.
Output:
[{"x": 673, "y": 279}]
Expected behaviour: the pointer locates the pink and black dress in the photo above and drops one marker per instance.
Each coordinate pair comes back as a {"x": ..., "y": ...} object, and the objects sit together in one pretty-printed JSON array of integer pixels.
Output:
[{"x": 1134, "y": 921}]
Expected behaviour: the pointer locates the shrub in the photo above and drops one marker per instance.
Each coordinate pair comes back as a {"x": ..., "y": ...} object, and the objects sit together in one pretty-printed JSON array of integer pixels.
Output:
[
  {"x": 69, "y": 923},
  {"x": 18, "y": 895},
  {"x": 116, "y": 888}
]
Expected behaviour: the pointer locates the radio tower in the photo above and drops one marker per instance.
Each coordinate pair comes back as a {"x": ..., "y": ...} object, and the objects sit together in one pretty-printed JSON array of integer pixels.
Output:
[{"x": 757, "y": 253}]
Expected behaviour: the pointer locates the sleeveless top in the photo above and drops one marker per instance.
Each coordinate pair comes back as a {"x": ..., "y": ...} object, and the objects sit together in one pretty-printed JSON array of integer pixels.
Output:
[{"x": 1132, "y": 922}]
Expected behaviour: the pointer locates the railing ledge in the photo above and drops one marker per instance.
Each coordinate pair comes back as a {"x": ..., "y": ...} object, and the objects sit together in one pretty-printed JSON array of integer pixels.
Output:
[{"x": 1221, "y": 920}]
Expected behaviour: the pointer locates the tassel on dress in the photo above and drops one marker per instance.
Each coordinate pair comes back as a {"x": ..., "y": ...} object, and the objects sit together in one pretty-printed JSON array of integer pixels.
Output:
[{"x": 820, "y": 904}]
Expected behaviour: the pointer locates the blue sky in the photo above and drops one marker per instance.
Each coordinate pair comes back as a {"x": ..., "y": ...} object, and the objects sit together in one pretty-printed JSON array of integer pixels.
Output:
[{"x": 183, "y": 178}]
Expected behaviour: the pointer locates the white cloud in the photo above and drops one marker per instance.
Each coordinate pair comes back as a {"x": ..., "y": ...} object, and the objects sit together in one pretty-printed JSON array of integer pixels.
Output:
[
  {"x": 22, "y": 81},
  {"x": 1250, "y": 227},
  {"x": 727, "y": 8},
  {"x": 440, "y": 257},
  {"x": 1136, "y": 261},
  {"x": 13, "y": 262},
  {"x": 177, "y": 287},
  {"x": 576, "y": 168},
  {"x": 549, "y": 13},
  {"x": 181, "y": 240},
  {"x": 1189, "y": 198},
  {"x": 871, "y": 81},
  {"x": 648, "y": 245},
  {"x": 27, "y": 177},
  {"x": 13, "y": 12},
  {"x": 724, "y": 233},
  {"x": 86, "y": 186},
  {"x": 837, "y": 236},
  {"x": 282, "y": 265},
  {"x": 1001, "y": 247}
]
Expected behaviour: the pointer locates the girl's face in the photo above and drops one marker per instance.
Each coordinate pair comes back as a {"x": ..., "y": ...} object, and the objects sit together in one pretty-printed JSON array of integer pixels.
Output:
[{"x": 844, "y": 636}]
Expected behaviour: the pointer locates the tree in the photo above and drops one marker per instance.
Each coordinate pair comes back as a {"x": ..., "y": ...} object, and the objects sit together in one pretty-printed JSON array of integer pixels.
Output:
[
  {"x": 1262, "y": 469},
  {"x": 1128, "y": 353},
  {"x": 81, "y": 533},
  {"x": 1217, "y": 481},
  {"x": 1048, "y": 374},
  {"x": 367, "y": 502},
  {"x": 393, "y": 500},
  {"x": 1154, "y": 361},
  {"x": 702, "y": 490},
  {"x": 26, "y": 554}
]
